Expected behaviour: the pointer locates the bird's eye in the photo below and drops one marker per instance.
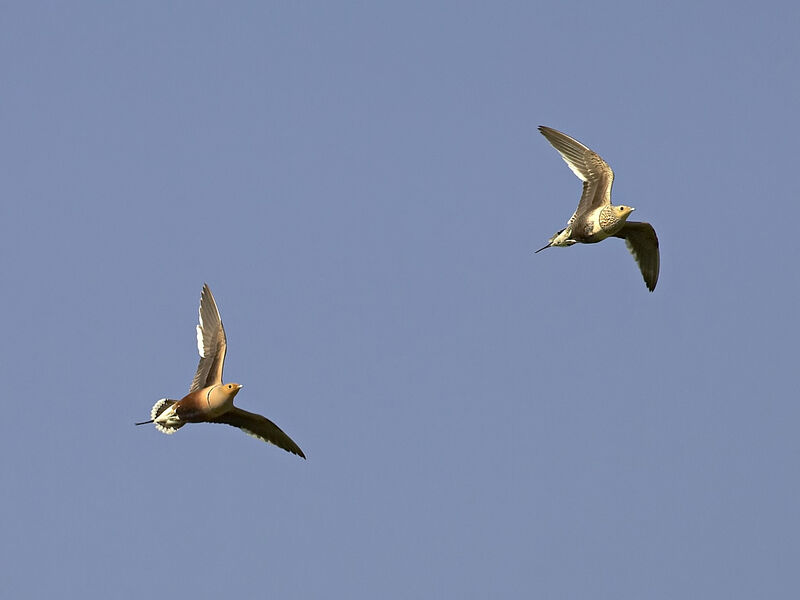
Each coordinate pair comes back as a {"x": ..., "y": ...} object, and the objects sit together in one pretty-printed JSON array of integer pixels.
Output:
[{"x": 229, "y": 386}]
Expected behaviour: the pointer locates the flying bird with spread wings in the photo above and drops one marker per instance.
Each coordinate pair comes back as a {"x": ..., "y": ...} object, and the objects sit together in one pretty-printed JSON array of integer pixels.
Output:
[
  {"x": 209, "y": 400},
  {"x": 596, "y": 218}
]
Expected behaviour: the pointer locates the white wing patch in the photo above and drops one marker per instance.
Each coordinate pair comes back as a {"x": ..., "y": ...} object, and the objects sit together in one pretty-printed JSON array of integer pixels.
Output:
[
  {"x": 573, "y": 167},
  {"x": 200, "y": 345}
]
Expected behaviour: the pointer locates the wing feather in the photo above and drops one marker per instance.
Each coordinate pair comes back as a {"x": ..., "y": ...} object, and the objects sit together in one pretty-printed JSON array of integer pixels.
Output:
[
  {"x": 642, "y": 242},
  {"x": 259, "y": 427},
  {"x": 211, "y": 343},
  {"x": 587, "y": 165}
]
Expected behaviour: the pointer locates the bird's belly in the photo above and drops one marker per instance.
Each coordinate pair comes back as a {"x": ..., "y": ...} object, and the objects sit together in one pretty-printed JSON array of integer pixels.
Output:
[
  {"x": 589, "y": 232},
  {"x": 593, "y": 238}
]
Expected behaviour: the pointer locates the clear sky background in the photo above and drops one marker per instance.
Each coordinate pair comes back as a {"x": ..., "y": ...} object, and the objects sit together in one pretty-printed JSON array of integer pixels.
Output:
[{"x": 363, "y": 186}]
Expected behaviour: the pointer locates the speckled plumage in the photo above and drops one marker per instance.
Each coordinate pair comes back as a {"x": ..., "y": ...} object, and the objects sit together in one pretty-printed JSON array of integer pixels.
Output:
[{"x": 596, "y": 218}]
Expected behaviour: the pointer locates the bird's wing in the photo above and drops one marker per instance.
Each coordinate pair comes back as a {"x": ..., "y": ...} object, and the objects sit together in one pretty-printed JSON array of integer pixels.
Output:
[
  {"x": 259, "y": 427},
  {"x": 211, "y": 343},
  {"x": 641, "y": 240},
  {"x": 587, "y": 165}
]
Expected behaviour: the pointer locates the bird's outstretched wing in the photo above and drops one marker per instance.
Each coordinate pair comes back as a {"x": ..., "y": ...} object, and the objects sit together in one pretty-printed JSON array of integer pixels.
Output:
[
  {"x": 259, "y": 427},
  {"x": 641, "y": 240},
  {"x": 587, "y": 165},
  {"x": 211, "y": 343}
]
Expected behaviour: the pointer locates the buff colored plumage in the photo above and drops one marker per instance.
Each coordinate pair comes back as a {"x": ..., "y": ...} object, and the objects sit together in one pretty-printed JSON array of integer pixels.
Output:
[
  {"x": 209, "y": 400},
  {"x": 596, "y": 218}
]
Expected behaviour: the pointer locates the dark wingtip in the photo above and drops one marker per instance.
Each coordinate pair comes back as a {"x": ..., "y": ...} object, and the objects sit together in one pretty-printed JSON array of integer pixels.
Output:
[{"x": 296, "y": 450}]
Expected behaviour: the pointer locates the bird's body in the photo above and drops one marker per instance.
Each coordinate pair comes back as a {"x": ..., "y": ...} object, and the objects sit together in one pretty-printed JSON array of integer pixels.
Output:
[
  {"x": 195, "y": 407},
  {"x": 596, "y": 218},
  {"x": 593, "y": 227},
  {"x": 209, "y": 400}
]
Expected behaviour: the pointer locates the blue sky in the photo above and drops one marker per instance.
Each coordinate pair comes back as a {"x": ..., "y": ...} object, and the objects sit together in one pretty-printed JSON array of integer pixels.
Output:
[{"x": 362, "y": 185}]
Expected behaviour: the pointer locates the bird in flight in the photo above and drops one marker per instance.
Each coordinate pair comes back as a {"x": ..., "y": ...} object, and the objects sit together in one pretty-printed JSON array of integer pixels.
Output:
[
  {"x": 209, "y": 400},
  {"x": 596, "y": 218}
]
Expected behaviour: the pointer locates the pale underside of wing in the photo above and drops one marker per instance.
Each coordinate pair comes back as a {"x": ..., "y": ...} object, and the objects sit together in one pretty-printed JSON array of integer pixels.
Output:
[
  {"x": 259, "y": 427},
  {"x": 587, "y": 165},
  {"x": 211, "y": 343},
  {"x": 641, "y": 240}
]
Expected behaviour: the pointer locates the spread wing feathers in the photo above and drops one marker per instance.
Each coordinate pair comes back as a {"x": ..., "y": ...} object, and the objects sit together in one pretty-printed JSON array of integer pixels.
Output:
[
  {"x": 259, "y": 427},
  {"x": 587, "y": 165},
  {"x": 641, "y": 240},
  {"x": 211, "y": 343}
]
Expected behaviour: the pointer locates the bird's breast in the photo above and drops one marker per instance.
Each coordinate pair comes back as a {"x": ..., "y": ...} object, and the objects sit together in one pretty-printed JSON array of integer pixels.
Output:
[
  {"x": 203, "y": 405},
  {"x": 608, "y": 221}
]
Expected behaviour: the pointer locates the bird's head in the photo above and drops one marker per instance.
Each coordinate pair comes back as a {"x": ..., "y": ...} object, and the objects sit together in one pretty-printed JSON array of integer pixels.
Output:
[
  {"x": 231, "y": 389},
  {"x": 222, "y": 395},
  {"x": 622, "y": 212}
]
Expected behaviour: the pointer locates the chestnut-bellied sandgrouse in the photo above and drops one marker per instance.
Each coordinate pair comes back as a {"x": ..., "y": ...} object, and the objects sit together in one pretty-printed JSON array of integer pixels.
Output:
[{"x": 209, "y": 400}]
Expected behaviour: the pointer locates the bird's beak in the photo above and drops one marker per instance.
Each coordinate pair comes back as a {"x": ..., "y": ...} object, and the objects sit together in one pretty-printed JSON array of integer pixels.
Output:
[
  {"x": 240, "y": 386},
  {"x": 544, "y": 248}
]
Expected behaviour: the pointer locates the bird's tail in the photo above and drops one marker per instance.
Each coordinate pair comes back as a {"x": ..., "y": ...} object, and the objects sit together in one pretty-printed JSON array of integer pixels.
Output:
[{"x": 158, "y": 408}]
